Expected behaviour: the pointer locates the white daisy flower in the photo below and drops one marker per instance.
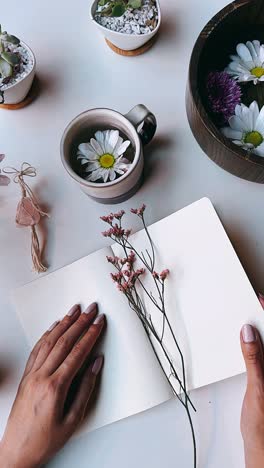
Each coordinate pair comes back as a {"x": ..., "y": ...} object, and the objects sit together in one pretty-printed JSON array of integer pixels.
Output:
[
  {"x": 246, "y": 128},
  {"x": 104, "y": 156},
  {"x": 248, "y": 64}
]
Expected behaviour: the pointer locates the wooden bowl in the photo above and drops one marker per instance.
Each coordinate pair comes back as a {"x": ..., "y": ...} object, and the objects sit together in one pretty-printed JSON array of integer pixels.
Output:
[{"x": 240, "y": 21}]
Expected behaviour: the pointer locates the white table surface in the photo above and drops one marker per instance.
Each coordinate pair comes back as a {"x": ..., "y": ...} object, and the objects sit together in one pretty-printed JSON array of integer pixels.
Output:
[{"x": 78, "y": 72}]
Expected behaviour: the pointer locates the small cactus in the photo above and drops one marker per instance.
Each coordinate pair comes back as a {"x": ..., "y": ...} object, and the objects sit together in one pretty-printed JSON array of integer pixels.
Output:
[{"x": 8, "y": 59}]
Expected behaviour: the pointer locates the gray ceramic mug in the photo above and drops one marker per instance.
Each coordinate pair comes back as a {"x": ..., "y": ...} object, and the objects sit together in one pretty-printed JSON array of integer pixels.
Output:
[{"x": 139, "y": 126}]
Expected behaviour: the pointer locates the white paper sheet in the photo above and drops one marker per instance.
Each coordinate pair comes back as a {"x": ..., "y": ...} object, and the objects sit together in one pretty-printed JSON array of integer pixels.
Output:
[
  {"x": 132, "y": 379},
  {"x": 208, "y": 299},
  {"x": 208, "y": 294}
]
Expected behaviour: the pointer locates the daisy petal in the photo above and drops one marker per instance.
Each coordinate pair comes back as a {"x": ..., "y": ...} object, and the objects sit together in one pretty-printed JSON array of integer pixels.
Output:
[
  {"x": 245, "y": 117},
  {"x": 112, "y": 141},
  {"x": 86, "y": 150},
  {"x": 252, "y": 50},
  {"x": 92, "y": 166},
  {"x": 236, "y": 123},
  {"x": 95, "y": 175},
  {"x": 243, "y": 52},
  {"x": 259, "y": 127},
  {"x": 118, "y": 144},
  {"x": 261, "y": 54},
  {"x": 112, "y": 175},
  {"x": 105, "y": 174},
  {"x": 82, "y": 160},
  {"x": 254, "y": 108},
  {"x": 259, "y": 150},
  {"x": 257, "y": 46},
  {"x": 231, "y": 134},
  {"x": 100, "y": 137},
  {"x": 122, "y": 148},
  {"x": 97, "y": 147}
]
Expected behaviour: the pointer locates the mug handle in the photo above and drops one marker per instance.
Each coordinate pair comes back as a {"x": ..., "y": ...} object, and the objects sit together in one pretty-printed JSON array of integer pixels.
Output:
[{"x": 141, "y": 115}]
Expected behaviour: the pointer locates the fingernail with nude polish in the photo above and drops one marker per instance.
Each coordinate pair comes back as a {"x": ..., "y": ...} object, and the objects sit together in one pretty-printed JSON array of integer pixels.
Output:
[
  {"x": 249, "y": 334},
  {"x": 99, "y": 320},
  {"x": 53, "y": 325},
  {"x": 91, "y": 308},
  {"x": 97, "y": 365},
  {"x": 73, "y": 310}
]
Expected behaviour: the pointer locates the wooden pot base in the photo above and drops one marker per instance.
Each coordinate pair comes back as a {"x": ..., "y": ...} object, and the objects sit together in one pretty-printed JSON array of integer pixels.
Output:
[
  {"x": 31, "y": 96},
  {"x": 132, "y": 53}
]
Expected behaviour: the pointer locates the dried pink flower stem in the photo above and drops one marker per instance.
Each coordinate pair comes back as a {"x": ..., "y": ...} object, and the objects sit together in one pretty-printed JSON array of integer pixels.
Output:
[{"x": 127, "y": 278}]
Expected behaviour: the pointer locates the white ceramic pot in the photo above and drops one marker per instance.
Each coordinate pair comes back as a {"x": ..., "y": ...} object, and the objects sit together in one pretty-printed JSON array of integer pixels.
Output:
[
  {"x": 121, "y": 40},
  {"x": 125, "y": 186},
  {"x": 18, "y": 91}
]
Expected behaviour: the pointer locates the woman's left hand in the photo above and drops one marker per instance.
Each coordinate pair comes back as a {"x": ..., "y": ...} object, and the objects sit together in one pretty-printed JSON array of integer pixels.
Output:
[{"x": 45, "y": 413}]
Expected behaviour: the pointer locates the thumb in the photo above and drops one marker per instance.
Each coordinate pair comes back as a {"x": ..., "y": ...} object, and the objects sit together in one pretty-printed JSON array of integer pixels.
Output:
[{"x": 252, "y": 350}]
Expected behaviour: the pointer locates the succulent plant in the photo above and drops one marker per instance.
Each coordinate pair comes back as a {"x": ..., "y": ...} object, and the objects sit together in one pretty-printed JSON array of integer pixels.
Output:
[
  {"x": 117, "y": 7},
  {"x": 8, "y": 59}
]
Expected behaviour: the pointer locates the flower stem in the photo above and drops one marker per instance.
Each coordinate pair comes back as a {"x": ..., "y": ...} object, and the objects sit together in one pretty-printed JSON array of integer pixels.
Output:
[{"x": 127, "y": 283}]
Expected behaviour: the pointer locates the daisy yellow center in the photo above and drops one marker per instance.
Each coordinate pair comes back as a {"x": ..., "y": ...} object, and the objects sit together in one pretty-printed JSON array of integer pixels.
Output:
[
  {"x": 254, "y": 138},
  {"x": 258, "y": 72},
  {"x": 106, "y": 160}
]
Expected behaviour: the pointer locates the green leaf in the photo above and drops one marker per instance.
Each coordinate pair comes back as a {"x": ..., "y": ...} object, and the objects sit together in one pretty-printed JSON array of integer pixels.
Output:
[
  {"x": 107, "y": 11},
  {"x": 10, "y": 58},
  {"x": 12, "y": 39},
  {"x": 118, "y": 9},
  {"x": 135, "y": 4},
  {"x": 102, "y": 2},
  {"x": 5, "y": 68}
]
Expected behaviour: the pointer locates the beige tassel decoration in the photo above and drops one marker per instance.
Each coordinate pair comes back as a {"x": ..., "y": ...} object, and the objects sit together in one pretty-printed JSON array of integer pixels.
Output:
[{"x": 28, "y": 211}]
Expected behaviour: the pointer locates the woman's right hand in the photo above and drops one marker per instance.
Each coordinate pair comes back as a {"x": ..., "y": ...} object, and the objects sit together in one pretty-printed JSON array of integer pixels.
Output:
[
  {"x": 252, "y": 417},
  {"x": 55, "y": 390}
]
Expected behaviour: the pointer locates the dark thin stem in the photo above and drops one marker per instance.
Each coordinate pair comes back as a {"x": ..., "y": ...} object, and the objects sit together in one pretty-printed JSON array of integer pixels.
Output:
[
  {"x": 151, "y": 243},
  {"x": 166, "y": 376},
  {"x": 193, "y": 436},
  {"x": 137, "y": 305}
]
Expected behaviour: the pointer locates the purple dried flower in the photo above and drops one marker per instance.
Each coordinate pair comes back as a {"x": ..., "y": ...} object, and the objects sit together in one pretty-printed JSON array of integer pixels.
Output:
[{"x": 223, "y": 94}]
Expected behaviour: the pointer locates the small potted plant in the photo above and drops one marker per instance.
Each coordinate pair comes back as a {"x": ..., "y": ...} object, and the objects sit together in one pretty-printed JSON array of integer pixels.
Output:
[
  {"x": 17, "y": 69},
  {"x": 127, "y": 24}
]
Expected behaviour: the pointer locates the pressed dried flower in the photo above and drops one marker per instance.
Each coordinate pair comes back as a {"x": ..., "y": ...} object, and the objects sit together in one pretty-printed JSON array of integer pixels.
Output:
[
  {"x": 108, "y": 219},
  {"x": 119, "y": 215},
  {"x": 164, "y": 274},
  {"x": 138, "y": 211},
  {"x": 127, "y": 280},
  {"x": 112, "y": 260}
]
